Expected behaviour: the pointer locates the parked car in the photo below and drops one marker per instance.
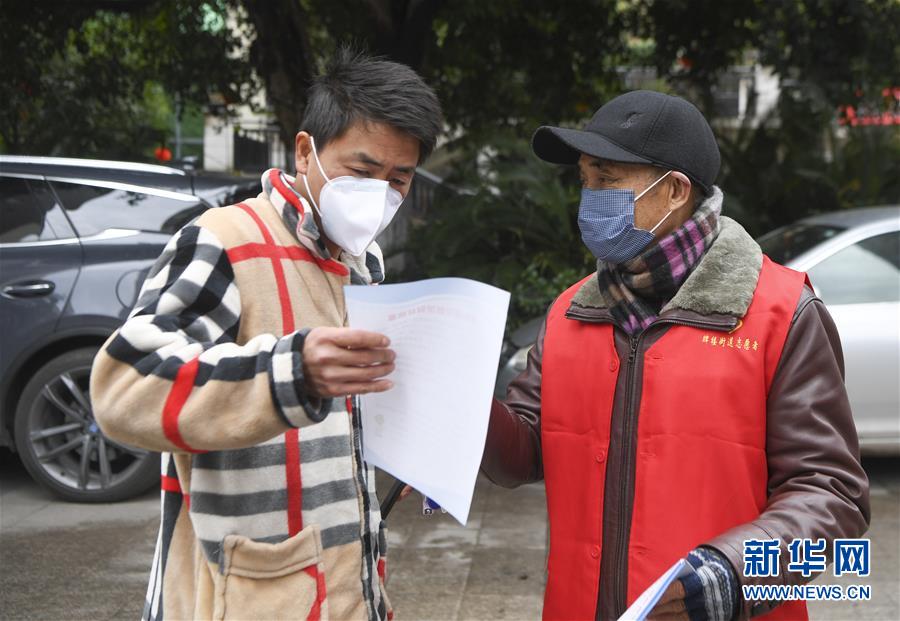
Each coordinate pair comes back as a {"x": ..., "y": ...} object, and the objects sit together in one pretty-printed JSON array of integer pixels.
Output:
[
  {"x": 853, "y": 260},
  {"x": 77, "y": 238},
  {"x": 514, "y": 353}
]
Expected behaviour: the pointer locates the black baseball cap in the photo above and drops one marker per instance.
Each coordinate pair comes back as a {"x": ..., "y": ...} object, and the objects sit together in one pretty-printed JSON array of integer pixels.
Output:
[{"x": 640, "y": 127}]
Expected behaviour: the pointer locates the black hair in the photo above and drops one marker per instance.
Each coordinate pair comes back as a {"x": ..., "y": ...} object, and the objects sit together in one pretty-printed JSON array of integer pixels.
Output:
[{"x": 356, "y": 87}]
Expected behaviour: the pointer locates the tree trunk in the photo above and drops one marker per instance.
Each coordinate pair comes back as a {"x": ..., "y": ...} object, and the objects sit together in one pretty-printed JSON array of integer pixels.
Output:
[{"x": 282, "y": 56}]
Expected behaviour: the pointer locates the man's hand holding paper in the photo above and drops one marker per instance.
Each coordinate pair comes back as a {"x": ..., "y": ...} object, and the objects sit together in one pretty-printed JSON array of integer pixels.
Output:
[{"x": 345, "y": 361}]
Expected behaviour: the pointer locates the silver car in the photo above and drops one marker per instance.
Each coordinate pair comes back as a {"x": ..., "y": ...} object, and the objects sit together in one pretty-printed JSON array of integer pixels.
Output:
[{"x": 853, "y": 260}]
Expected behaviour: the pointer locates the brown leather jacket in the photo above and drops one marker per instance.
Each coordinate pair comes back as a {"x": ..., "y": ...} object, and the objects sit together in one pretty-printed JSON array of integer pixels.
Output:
[{"x": 816, "y": 485}]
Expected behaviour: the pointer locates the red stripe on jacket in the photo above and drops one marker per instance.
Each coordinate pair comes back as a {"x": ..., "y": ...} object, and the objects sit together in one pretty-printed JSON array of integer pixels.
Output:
[
  {"x": 286, "y": 193},
  {"x": 296, "y": 253},
  {"x": 178, "y": 395},
  {"x": 315, "y": 612},
  {"x": 171, "y": 484},
  {"x": 276, "y": 253},
  {"x": 329, "y": 265},
  {"x": 287, "y": 314},
  {"x": 294, "y": 481}
]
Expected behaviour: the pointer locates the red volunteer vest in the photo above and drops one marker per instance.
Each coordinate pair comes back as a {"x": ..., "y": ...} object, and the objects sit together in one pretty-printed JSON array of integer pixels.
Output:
[{"x": 700, "y": 464}]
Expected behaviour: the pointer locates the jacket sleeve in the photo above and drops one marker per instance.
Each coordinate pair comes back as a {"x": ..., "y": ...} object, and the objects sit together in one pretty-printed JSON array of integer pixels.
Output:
[
  {"x": 173, "y": 378},
  {"x": 817, "y": 487},
  {"x": 512, "y": 451}
]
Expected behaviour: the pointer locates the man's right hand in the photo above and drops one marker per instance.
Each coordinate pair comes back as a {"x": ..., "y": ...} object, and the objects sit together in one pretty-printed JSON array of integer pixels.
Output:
[{"x": 344, "y": 361}]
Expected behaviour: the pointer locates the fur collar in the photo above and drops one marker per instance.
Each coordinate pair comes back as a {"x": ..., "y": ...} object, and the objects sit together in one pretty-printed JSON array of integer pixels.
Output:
[{"x": 725, "y": 279}]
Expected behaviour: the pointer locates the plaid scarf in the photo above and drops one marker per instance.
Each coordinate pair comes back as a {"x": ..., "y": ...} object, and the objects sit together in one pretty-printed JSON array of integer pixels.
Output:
[{"x": 636, "y": 290}]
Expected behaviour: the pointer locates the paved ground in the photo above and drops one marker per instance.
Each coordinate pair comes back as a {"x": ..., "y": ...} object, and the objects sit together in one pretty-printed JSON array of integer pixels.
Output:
[
  {"x": 62, "y": 560},
  {"x": 67, "y": 561},
  {"x": 491, "y": 569}
]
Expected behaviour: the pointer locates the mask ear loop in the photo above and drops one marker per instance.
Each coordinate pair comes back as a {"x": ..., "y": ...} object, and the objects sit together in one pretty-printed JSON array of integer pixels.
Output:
[
  {"x": 649, "y": 187},
  {"x": 312, "y": 141},
  {"x": 658, "y": 224},
  {"x": 309, "y": 194}
]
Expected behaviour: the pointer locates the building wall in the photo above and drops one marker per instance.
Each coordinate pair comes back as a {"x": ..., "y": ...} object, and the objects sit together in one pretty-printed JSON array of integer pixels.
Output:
[{"x": 219, "y": 142}]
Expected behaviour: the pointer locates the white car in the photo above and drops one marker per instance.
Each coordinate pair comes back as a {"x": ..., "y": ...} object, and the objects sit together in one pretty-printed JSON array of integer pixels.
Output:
[{"x": 853, "y": 260}]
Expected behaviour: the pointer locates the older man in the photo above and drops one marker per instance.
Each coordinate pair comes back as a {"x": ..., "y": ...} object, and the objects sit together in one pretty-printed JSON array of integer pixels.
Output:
[{"x": 686, "y": 397}]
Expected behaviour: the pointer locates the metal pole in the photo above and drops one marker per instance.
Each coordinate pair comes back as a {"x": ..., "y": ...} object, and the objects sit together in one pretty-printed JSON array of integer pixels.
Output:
[
  {"x": 388, "y": 503},
  {"x": 177, "y": 126}
]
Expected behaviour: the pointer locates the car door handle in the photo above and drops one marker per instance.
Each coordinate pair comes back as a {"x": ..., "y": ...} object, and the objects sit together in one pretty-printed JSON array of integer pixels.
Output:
[{"x": 29, "y": 289}]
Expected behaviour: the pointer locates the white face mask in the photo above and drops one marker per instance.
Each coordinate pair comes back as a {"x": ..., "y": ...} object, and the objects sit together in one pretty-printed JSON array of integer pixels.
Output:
[{"x": 354, "y": 210}]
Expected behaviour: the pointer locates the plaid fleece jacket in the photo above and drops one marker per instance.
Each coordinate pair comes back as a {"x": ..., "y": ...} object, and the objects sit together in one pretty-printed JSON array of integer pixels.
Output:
[{"x": 268, "y": 510}]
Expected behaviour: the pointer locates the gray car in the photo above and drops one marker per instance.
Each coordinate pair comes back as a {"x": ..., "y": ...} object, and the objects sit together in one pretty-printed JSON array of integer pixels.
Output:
[
  {"x": 853, "y": 261},
  {"x": 77, "y": 238}
]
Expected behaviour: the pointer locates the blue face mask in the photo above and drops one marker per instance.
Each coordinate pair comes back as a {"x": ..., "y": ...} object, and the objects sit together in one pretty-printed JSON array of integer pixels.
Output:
[{"x": 606, "y": 220}]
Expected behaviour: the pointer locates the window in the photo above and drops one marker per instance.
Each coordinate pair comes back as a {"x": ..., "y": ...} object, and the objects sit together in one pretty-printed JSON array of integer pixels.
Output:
[
  {"x": 789, "y": 242},
  {"x": 93, "y": 209},
  {"x": 23, "y": 211},
  {"x": 867, "y": 271}
]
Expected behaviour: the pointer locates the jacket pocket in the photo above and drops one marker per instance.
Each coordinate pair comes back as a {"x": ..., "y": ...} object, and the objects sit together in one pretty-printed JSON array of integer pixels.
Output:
[{"x": 271, "y": 581}]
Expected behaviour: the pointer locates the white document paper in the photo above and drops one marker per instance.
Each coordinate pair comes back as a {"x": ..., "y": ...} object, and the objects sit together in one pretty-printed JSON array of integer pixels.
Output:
[
  {"x": 429, "y": 429},
  {"x": 647, "y": 600}
]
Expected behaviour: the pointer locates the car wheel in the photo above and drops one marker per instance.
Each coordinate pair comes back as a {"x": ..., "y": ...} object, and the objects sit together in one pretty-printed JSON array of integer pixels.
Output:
[{"x": 61, "y": 445}]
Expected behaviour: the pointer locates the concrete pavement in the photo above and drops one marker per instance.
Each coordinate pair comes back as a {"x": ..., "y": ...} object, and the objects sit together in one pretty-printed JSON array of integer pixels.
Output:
[
  {"x": 62, "y": 560},
  {"x": 491, "y": 569},
  {"x": 66, "y": 561}
]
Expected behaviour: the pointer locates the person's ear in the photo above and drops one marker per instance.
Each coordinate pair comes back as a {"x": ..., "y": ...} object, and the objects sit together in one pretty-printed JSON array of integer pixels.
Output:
[
  {"x": 679, "y": 191},
  {"x": 302, "y": 152}
]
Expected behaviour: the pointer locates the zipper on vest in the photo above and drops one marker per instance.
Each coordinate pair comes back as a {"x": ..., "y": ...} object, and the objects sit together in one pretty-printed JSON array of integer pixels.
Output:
[{"x": 630, "y": 436}]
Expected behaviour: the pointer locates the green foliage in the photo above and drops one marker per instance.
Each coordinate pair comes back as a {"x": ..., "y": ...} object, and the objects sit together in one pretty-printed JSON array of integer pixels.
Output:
[
  {"x": 775, "y": 173},
  {"x": 866, "y": 167},
  {"x": 517, "y": 65},
  {"x": 826, "y": 53},
  {"x": 512, "y": 224},
  {"x": 797, "y": 163},
  {"x": 793, "y": 164},
  {"x": 508, "y": 64},
  {"x": 694, "y": 40},
  {"x": 75, "y": 105},
  {"x": 99, "y": 79},
  {"x": 93, "y": 80},
  {"x": 835, "y": 47}
]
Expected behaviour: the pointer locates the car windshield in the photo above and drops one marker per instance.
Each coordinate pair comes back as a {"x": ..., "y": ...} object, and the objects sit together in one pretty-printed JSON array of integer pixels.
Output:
[{"x": 789, "y": 242}]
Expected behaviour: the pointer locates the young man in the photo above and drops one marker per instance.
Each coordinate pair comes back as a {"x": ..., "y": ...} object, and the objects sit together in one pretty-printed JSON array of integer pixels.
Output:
[
  {"x": 235, "y": 363},
  {"x": 686, "y": 397}
]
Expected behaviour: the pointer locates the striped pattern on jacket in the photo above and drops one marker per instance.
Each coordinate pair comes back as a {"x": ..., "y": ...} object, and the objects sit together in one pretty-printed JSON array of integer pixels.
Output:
[{"x": 267, "y": 505}]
